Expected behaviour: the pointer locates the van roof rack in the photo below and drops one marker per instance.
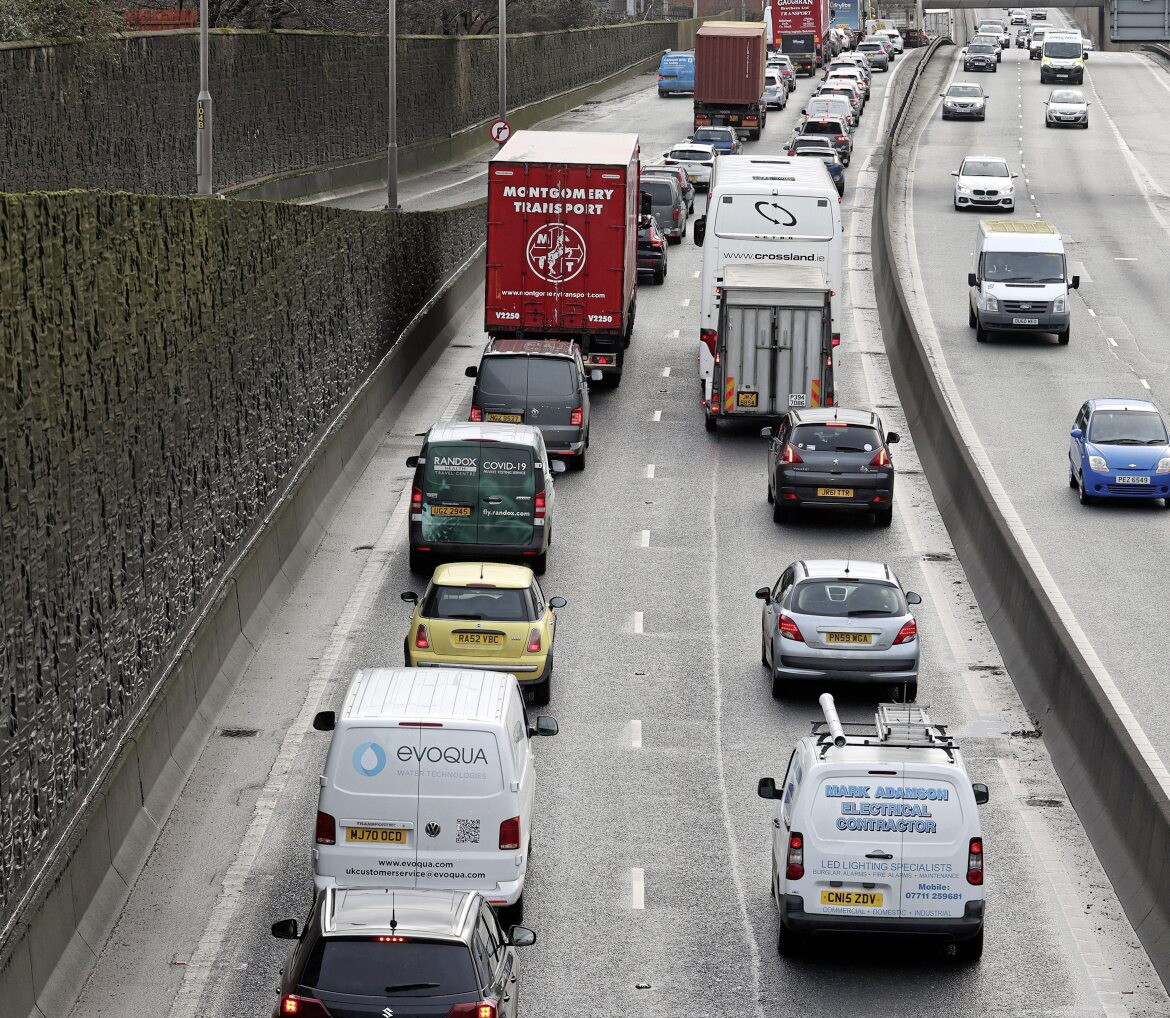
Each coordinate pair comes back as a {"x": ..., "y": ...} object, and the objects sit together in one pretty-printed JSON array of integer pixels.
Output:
[{"x": 895, "y": 725}]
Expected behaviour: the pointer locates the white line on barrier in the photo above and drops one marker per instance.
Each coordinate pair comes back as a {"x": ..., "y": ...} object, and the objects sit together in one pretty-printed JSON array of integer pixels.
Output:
[
  {"x": 666, "y": 372},
  {"x": 1091, "y": 312},
  {"x": 638, "y": 623},
  {"x": 657, "y": 415},
  {"x": 645, "y": 539},
  {"x": 649, "y": 470},
  {"x": 1145, "y": 384},
  {"x": 637, "y": 887},
  {"x": 636, "y": 734},
  {"x": 1111, "y": 341}
]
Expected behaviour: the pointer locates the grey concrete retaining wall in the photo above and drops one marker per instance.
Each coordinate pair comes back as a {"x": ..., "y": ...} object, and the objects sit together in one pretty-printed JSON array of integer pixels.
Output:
[{"x": 1113, "y": 777}]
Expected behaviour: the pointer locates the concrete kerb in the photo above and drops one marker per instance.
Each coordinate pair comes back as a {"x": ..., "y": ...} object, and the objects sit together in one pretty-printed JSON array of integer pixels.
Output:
[
  {"x": 1113, "y": 779},
  {"x": 53, "y": 941}
]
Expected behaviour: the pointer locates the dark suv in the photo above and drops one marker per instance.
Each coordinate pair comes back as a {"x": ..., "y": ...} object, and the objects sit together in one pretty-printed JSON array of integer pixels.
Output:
[
  {"x": 540, "y": 382},
  {"x": 411, "y": 954},
  {"x": 832, "y": 457}
]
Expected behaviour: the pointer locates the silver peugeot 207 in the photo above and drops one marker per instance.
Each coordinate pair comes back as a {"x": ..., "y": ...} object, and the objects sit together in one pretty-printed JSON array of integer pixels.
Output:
[{"x": 834, "y": 620}]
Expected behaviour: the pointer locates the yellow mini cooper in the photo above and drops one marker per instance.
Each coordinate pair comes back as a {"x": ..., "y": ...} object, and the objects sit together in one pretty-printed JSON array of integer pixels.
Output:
[{"x": 485, "y": 615}]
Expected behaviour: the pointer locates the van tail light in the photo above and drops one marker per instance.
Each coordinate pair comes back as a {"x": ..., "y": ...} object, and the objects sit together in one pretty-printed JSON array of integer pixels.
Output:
[
  {"x": 789, "y": 630},
  {"x": 421, "y": 638},
  {"x": 534, "y": 641},
  {"x": 674, "y": 213},
  {"x": 303, "y": 1007},
  {"x": 975, "y": 862},
  {"x": 881, "y": 458},
  {"x": 662, "y": 77},
  {"x": 476, "y": 414},
  {"x": 795, "y": 867},
  {"x": 510, "y": 834},
  {"x": 480, "y": 1009},
  {"x": 710, "y": 339},
  {"x": 539, "y": 505},
  {"x": 790, "y": 455},
  {"x": 577, "y": 416},
  {"x": 416, "y": 500},
  {"x": 907, "y": 634},
  {"x": 326, "y": 835}
]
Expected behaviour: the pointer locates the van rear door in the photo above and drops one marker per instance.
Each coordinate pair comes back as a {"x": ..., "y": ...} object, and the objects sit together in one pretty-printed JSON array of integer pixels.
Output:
[
  {"x": 507, "y": 492},
  {"x": 554, "y": 391},
  {"x": 771, "y": 354},
  {"x": 450, "y": 510},
  {"x": 936, "y": 844},
  {"x": 462, "y": 802},
  {"x": 854, "y": 850}
]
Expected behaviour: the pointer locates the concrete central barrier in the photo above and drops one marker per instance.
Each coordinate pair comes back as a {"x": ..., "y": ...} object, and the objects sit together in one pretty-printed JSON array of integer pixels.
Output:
[{"x": 1114, "y": 778}]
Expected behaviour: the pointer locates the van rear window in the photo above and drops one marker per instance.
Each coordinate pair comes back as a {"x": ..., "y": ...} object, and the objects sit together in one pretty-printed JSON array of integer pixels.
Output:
[
  {"x": 659, "y": 190},
  {"x": 365, "y": 967}
]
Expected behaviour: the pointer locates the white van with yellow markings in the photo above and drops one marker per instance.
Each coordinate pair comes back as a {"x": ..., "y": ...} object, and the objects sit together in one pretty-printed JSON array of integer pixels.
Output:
[{"x": 876, "y": 831}]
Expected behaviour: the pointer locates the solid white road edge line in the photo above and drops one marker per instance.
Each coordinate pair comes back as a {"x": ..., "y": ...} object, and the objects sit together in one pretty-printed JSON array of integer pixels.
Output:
[
  {"x": 649, "y": 471},
  {"x": 636, "y": 734},
  {"x": 638, "y": 622},
  {"x": 637, "y": 887}
]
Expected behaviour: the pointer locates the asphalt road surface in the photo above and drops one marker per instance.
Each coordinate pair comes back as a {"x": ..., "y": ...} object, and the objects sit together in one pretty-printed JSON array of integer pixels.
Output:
[{"x": 648, "y": 886}]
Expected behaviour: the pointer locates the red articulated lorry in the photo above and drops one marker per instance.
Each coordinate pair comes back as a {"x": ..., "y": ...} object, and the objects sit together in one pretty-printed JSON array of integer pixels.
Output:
[
  {"x": 794, "y": 21},
  {"x": 562, "y": 237},
  {"x": 730, "y": 57}
]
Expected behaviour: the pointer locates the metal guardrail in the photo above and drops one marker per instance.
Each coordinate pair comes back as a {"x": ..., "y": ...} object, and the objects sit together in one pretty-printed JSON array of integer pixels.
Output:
[
  {"x": 904, "y": 105},
  {"x": 1158, "y": 50}
]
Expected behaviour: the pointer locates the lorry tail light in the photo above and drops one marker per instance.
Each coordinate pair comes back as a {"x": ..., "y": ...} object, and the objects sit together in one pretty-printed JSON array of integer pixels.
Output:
[
  {"x": 476, "y": 414},
  {"x": 510, "y": 834},
  {"x": 907, "y": 634},
  {"x": 881, "y": 458},
  {"x": 790, "y": 455},
  {"x": 975, "y": 862},
  {"x": 479, "y": 1009},
  {"x": 789, "y": 630},
  {"x": 416, "y": 500},
  {"x": 539, "y": 506},
  {"x": 534, "y": 641},
  {"x": 709, "y": 338},
  {"x": 421, "y": 638},
  {"x": 577, "y": 416},
  {"x": 794, "y": 868},
  {"x": 326, "y": 834},
  {"x": 303, "y": 1007}
]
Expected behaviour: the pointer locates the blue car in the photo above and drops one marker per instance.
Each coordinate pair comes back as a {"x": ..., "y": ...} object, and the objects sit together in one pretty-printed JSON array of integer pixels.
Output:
[
  {"x": 676, "y": 72},
  {"x": 725, "y": 139},
  {"x": 1119, "y": 449}
]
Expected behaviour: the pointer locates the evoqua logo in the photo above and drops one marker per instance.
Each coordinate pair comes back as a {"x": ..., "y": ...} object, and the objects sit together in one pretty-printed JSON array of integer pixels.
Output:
[
  {"x": 369, "y": 759},
  {"x": 441, "y": 754}
]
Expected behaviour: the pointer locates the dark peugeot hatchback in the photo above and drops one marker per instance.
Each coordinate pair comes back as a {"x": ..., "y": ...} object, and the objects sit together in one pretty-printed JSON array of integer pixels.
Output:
[
  {"x": 539, "y": 382},
  {"x": 831, "y": 457},
  {"x": 371, "y": 952}
]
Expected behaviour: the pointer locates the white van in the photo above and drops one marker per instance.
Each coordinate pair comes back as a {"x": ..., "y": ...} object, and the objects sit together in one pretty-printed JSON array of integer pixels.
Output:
[
  {"x": 1019, "y": 280},
  {"x": 429, "y": 782},
  {"x": 763, "y": 210},
  {"x": 876, "y": 831}
]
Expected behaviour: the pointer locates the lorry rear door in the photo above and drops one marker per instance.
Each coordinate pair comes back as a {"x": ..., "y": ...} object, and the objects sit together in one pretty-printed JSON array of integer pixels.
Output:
[{"x": 772, "y": 354}]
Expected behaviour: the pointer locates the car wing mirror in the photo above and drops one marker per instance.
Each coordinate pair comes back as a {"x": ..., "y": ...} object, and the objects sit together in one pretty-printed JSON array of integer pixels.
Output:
[
  {"x": 647, "y": 204},
  {"x": 972, "y": 280},
  {"x": 766, "y": 789},
  {"x": 764, "y": 594},
  {"x": 546, "y": 725},
  {"x": 410, "y": 597},
  {"x": 1075, "y": 283},
  {"x": 1076, "y": 433},
  {"x": 595, "y": 375},
  {"x": 1014, "y": 175},
  {"x": 521, "y": 936},
  {"x": 325, "y": 720},
  {"x": 766, "y": 432},
  {"x": 982, "y": 795},
  {"x": 954, "y": 173},
  {"x": 286, "y": 929},
  {"x": 558, "y": 466},
  {"x": 557, "y": 602},
  {"x": 412, "y": 461},
  {"x": 893, "y": 438},
  {"x": 471, "y": 371},
  {"x": 913, "y": 598}
]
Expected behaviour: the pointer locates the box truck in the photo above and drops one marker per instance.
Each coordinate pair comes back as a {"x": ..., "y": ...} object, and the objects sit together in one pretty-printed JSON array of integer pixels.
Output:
[
  {"x": 801, "y": 19},
  {"x": 730, "y": 57},
  {"x": 775, "y": 343},
  {"x": 562, "y": 234}
]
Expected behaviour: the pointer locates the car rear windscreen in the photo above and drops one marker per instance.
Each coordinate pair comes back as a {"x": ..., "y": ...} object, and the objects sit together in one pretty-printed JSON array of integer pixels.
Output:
[
  {"x": 365, "y": 967},
  {"x": 822, "y": 127},
  {"x": 504, "y": 376},
  {"x": 659, "y": 190},
  {"x": 480, "y": 604},
  {"x": 691, "y": 155},
  {"x": 836, "y": 438},
  {"x": 847, "y": 599}
]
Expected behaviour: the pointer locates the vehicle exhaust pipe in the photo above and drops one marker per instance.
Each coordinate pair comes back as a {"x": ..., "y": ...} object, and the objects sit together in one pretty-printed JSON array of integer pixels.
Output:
[{"x": 831, "y": 719}]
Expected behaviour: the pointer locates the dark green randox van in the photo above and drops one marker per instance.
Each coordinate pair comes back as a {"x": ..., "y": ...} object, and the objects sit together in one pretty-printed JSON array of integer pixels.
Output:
[{"x": 481, "y": 491}]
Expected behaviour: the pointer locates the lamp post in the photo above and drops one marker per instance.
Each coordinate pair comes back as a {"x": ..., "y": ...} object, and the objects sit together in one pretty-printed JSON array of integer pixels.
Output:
[
  {"x": 503, "y": 45},
  {"x": 392, "y": 142},
  {"x": 203, "y": 111}
]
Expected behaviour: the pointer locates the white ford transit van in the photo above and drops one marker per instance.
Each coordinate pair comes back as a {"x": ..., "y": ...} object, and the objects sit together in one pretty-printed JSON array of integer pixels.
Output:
[
  {"x": 429, "y": 782},
  {"x": 876, "y": 831}
]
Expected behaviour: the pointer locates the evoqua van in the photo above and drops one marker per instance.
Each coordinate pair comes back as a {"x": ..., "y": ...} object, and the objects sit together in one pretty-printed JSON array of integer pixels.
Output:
[
  {"x": 481, "y": 491},
  {"x": 1019, "y": 280},
  {"x": 429, "y": 782},
  {"x": 876, "y": 830}
]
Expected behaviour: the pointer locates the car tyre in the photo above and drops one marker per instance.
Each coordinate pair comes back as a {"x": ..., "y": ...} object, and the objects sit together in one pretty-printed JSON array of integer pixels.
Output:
[
  {"x": 980, "y": 333},
  {"x": 779, "y": 512},
  {"x": 420, "y": 562},
  {"x": 1063, "y": 337},
  {"x": 1086, "y": 498},
  {"x": 577, "y": 463},
  {"x": 1047, "y": 122},
  {"x": 771, "y": 497},
  {"x": 787, "y": 944},
  {"x": 1012, "y": 207},
  {"x": 674, "y": 240},
  {"x": 971, "y": 319},
  {"x": 906, "y": 692},
  {"x": 406, "y": 653},
  {"x": 884, "y": 517},
  {"x": 1072, "y": 477},
  {"x": 968, "y": 951},
  {"x": 710, "y": 422},
  {"x": 511, "y": 915},
  {"x": 982, "y": 116},
  {"x": 660, "y": 275},
  {"x": 957, "y": 207},
  {"x": 542, "y": 690},
  {"x": 540, "y": 563},
  {"x": 764, "y": 648}
]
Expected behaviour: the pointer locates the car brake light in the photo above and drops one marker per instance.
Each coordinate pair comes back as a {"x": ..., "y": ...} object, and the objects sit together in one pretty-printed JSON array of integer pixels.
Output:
[
  {"x": 907, "y": 634},
  {"x": 795, "y": 867},
  {"x": 841, "y": 138},
  {"x": 539, "y": 506},
  {"x": 674, "y": 213},
  {"x": 304, "y": 1007},
  {"x": 662, "y": 77},
  {"x": 789, "y": 630},
  {"x": 709, "y": 338},
  {"x": 881, "y": 458},
  {"x": 790, "y": 455},
  {"x": 416, "y": 500},
  {"x": 577, "y": 416},
  {"x": 480, "y": 1009},
  {"x": 326, "y": 835},
  {"x": 656, "y": 244},
  {"x": 476, "y": 414},
  {"x": 534, "y": 641},
  {"x": 975, "y": 862},
  {"x": 421, "y": 640},
  {"x": 510, "y": 833}
]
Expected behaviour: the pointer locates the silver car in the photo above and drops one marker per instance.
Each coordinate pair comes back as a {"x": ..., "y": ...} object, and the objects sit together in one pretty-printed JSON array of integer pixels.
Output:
[
  {"x": 835, "y": 620},
  {"x": 1067, "y": 107}
]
